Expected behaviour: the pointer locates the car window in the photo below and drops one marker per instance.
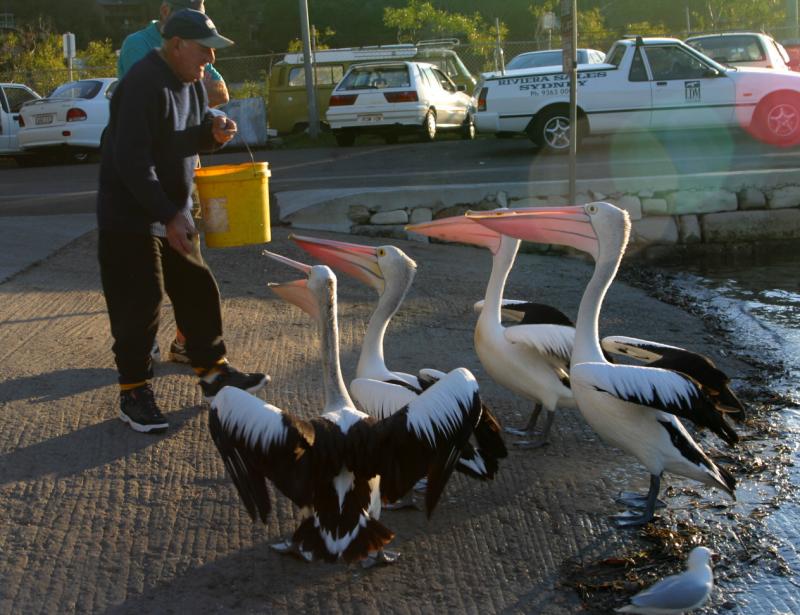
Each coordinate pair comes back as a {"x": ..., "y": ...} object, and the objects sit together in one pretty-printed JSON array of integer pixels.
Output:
[
  {"x": 781, "y": 51},
  {"x": 433, "y": 81},
  {"x": 725, "y": 49},
  {"x": 671, "y": 62},
  {"x": 325, "y": 75},
  {"x": 638, "y": 71},
  {"x": 111, "y": 89},
  {"x": 616, "y": 55},
  {"x": 423, "y": 77},
  {"x": 443, "y": 80},
  {"x": 375, "y": 77},
  {"x": 17, "y": 97},
  {"x": 78, "y": 89}
]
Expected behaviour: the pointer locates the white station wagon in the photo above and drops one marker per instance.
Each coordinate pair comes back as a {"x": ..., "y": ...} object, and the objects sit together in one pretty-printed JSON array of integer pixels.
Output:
[
  {"x": 645, "y": 84},
  {"x": 390, "y": 98}
]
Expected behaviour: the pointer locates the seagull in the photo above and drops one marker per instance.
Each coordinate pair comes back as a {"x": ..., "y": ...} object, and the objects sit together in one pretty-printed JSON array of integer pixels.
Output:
[
  {"x": 532, "y": 360},
  {"x": 634, "y": 408},
  {"x": 679, "y": 593},
  {"x": 337, "y": 467},
  {"x": 379, "y": 390}
]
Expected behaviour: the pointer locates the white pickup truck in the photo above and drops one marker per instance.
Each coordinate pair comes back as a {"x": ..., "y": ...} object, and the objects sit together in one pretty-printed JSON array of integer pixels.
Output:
[
  {"x": 12, "y": 97},
  {"x": 645, "y": 84}
]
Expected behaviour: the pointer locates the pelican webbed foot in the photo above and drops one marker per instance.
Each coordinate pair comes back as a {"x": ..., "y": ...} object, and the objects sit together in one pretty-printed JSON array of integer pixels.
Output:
[
  {"x": 288, "y": 547},
  {"x": 407, "y": 501},
  {"x": 631, "y": 519},
  {"x": 636, "y": 500},
  {"x": 530, "y": 428},
  {"x": 380, "y": 557}
]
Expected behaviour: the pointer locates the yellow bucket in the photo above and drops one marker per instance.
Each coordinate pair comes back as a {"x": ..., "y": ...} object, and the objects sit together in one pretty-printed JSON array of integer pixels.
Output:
[{"x": 234, "y": 201}]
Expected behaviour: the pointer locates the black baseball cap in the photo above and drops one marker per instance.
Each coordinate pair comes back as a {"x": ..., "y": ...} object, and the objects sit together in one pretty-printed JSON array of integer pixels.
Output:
[{"x": 194, "y": 26}]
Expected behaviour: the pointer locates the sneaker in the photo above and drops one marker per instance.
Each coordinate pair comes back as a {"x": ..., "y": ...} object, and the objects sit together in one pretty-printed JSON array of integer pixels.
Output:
[
  {"x": 177, "y": 352},
  {"x": 155, "y": 351},
  {"x": 138, "y": 408},
  {"x": 229, "y": 376}
]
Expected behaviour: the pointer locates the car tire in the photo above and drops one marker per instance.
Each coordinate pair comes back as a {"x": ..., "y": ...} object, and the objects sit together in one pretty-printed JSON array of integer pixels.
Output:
[
  {"x": 344, "y": 138},
  {"x": 550, "y": 130},
  {"x": 468, "y": 128},
  {"x": 429, "y": 126},
  {"x": 777, "y": 120}
]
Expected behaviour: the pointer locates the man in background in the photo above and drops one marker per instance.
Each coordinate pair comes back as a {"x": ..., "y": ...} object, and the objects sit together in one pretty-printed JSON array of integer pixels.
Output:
[{"x": 136, "y": 46}]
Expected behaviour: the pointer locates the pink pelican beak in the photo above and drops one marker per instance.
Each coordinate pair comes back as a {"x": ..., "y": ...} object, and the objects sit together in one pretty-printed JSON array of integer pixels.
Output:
[
  {"x": 565, "y": 226},
  {"x": 355, "y": 260},
  {"x": 296, "y": 292},
  {"x": 462, "y": 230}
]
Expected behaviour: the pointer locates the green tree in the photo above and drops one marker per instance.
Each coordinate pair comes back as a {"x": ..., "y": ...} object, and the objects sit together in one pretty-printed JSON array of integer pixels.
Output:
[
  {"x": 33, "y": 56},
  {"x": 98, "y": 59},
  {"x": 592, "y": 29}
]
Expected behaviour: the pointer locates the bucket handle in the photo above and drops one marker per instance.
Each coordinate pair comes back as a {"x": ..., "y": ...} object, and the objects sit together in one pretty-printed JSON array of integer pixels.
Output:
[{"x": 249, "y": 151}]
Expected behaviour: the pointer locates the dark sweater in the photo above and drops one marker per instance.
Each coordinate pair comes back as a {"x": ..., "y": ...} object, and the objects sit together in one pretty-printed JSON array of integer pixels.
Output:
[{"x": 156, "y": 129}]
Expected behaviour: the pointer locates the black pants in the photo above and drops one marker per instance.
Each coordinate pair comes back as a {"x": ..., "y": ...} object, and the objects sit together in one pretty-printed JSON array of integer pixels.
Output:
[{"x": 135, "y": 270}]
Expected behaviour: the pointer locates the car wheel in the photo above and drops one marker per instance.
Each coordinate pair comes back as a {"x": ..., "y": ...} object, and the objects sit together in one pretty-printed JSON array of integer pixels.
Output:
[
  {"x": 468, "y": 128},
  {"x": 344, "y": 138},
  {"x": 429, "y": 126},
  {"x": 551, "y": 130},
  {"x": 777, "y": 120}
]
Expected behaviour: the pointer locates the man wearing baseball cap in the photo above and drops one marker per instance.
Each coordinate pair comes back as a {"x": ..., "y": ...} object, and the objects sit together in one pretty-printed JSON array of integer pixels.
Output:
[
  {"x": 159, "y": 122},
  {"x": 134, "y": 48}
]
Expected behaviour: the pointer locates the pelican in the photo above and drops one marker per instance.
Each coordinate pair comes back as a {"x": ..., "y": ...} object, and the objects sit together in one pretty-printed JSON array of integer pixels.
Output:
[
  {"x": 635, "y": 408},
  {"x": 337, "y": 467},
  {"x": 379, "y": 390},
  {"x": 532, "y": 360}
]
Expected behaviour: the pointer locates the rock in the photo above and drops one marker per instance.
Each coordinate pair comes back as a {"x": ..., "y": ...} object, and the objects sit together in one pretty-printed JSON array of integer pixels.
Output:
[
  {"x": 751, "y": 198},
  {"x": 396, "y": 216},
  {"x": 382, "y": 230},
  {"x": 420, "y": 214},
  {"x": 655, "y": 207},
  {"x": 788, "y": 196},
  {"x": 631, "y": 204},
  {"x": 701, "y": 201},
  {"x": 359, "y": 214},
  {"x": 750, "y": 226},
  {"x": 656, "y": 229},
  {"x": 689, "y": 229}
]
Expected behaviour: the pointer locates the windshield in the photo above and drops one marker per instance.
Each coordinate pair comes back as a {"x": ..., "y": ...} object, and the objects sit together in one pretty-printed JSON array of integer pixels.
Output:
[
  {"x": 375, "y": 77},
  {"x": 77, "y": 89},
  {"x": 725, "y": 49}
]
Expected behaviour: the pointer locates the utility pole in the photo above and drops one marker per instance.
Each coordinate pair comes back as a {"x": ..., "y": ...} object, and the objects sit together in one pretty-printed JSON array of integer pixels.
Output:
[
  {"x": 569, "y": 38},
  {"x": 311, "y": 93}
]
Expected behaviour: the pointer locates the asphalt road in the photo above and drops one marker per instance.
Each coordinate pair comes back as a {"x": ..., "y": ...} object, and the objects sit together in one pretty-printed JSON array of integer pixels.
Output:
[{"x": 71, "y": 188}]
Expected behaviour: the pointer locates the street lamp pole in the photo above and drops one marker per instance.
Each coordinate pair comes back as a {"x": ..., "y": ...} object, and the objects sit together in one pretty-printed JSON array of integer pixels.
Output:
[{"x": 311, "y": 93}]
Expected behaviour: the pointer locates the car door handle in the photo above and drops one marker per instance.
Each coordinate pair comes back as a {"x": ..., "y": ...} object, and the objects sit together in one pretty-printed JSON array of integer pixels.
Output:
[{"x": 661, "y": 83}]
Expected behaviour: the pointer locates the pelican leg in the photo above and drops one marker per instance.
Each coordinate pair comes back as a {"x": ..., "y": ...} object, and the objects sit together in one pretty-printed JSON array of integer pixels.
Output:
[
  {"x": 542, "y": 438},
  {"x": 289, "y": 547},
  {"x": 530, "y": 428},
  {"x": 407, "y": 501},
  {"x": 629, "y": 519},
  {"x": 422, "y": 485},
  {"x": 636, "y": 500},
  {"x": 380, "y": 557}
]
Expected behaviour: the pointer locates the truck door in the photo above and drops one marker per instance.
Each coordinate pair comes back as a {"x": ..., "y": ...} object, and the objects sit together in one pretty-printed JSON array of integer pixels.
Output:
[{"x": 687, "y": 92}]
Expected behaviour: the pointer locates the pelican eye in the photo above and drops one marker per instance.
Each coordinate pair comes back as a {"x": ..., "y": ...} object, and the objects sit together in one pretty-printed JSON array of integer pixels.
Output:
[
  {"x": 591, "y": 208},
  {"x": 381, "y": 252}
]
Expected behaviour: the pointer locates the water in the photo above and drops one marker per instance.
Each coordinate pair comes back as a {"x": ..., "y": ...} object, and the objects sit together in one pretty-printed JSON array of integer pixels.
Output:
[{"x": 759, "y": 300}]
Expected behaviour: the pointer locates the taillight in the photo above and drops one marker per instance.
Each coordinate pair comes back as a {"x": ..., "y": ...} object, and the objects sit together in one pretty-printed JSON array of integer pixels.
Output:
[
  {"x": 482, "y": 99},
  {"x": 20, "y": 120},
  {"x": 339, "y": 100},
  {"x": 76, "y": 115},
  {"x": 401, "y": 97}
]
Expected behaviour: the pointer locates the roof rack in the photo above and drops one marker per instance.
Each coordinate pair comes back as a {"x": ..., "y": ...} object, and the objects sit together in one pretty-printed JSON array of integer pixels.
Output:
[{"x": 439, "y": 42}]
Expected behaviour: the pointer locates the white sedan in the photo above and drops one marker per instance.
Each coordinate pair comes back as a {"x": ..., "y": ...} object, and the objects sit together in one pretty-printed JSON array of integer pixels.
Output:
[
  {"x": 72, "y": 117},
  {"x": 390, "y": 98}
]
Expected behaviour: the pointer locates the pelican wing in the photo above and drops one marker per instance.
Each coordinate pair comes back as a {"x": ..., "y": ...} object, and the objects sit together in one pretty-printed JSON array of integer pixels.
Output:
[
  {"x": 657, "y": 389},
  {"x": 554, "y": 342},
  {"x": 259, "y": 442},
  {"x": 381, "y": 399},
  {"x": 529, "y": 313},
  {"x": 428, "y": 376},
  {"x": 426, "y": 437},
  {"x": 714, "y": 381}
]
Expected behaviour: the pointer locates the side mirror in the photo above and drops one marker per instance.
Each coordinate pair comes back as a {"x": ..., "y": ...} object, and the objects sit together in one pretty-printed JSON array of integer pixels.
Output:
[
  {"x": 711, "y": 73},
  {"x": 461, "y": 87}
]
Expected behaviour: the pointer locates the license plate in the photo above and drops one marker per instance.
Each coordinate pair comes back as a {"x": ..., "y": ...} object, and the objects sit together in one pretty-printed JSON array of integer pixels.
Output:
[
  {"x": 43, "y": 119},
  {"x": 370, "y": 117}
]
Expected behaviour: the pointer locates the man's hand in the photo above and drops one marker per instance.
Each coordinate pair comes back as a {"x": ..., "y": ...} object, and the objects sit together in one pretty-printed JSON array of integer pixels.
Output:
[
  {"x": 223, "y": 129},
  {"x": 180, "y": 233}
]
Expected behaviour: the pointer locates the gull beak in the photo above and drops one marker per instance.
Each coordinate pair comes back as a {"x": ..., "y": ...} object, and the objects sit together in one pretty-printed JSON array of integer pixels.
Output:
[
  {"x": 296, "y": 292},
  {"x": 355, "y": 260},
  {"x": 565, "y": 226},
  {"x": 460, "y": 229}
]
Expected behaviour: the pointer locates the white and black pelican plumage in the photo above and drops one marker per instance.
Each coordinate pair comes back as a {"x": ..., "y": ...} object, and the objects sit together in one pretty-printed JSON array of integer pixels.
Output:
[
  {"x": 635, "y": 408},
  {"x": 339, "y": 466},
  {"x": 377, "y": 389},
  {"x": 532, "y": 360}
]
